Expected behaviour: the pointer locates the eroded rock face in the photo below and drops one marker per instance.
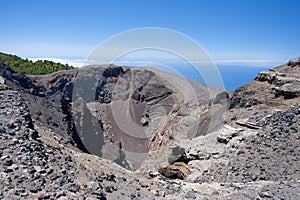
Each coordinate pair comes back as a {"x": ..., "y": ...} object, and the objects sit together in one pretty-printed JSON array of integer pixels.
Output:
[
  {"x": 114, "y": 112},
  {"x": 221, "y": 98},
  {"x": 269, "y": 86},
  {"x": 17, "y": 79},
  {"x": 152, "y": 91},
  {"x": 227, "y": 133},
  {"x": 294, "y": 61},
  {"x": 286, "y": 84},
  {"x": 245, "y": 97},
  {"x": 43, "y": 85},
  {"x": 289, "y": 90},
  {"x": 135, "y": 106},
  {"x": 113, "y": 72}
]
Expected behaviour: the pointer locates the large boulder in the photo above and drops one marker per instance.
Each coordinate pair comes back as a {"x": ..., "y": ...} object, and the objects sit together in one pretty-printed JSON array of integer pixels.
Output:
[
  {"x": 289, "y": 90},
  {"x": 2, "y": 81},
  {"x": 177, "y": 170},
  {"x": 2, "y": 84}
]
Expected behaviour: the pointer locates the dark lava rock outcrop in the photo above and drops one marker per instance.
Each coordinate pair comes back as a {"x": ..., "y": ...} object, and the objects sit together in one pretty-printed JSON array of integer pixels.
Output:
[{"x": 278, "y": 86}]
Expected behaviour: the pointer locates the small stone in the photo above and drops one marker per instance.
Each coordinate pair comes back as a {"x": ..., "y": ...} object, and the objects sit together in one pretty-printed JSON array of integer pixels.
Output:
[
  {"x": 199, "y": 179},
  {"x": 60, "y": 194},
  {"x": 265, "y": 195},
  {"x": 143, "y": 185},
  {"x": 176, "y": 188},
  {"x": 110, "y": 189},
  {"x": 153, "y": 174},
  {"x": 269, "y": 116},
  {"x": 227, "y": 133},
  {"x": 145, "y": 121},
  {"x": 253, "y": 177},
  {"x": 8, "y": 162},
  {"x": 40, "y": 196},
  {"x": 110, "y": 177},
  {"x": 94, "y": 185},
  {"x": 149, "y": 197},
  {"x": 2, "y": 130},
  {"x": 54, "y": 176},
  {"x": 11, "y": 124},
  {"x": 294, "y": 129},
  {"x": 33, "y": 188},
  {"x": 12, "y": 132},
  {"x": 72, "y": 187},
  {"x": 281, "y": 171},
  {"x": 63, "y": 171},
  {"x": 12, "y": 167},
  {"x": 37, "y": 168},
  {"x": 49, "y": 170},
  {"x": 101, "y": 196},
  {"x": 34, "y": 134},
  {"x": 15, "y": 140},
  {"x": 4, "y": 157},
  {"x": 190, "y": 195},
  {"x": 31, "y": 170}
]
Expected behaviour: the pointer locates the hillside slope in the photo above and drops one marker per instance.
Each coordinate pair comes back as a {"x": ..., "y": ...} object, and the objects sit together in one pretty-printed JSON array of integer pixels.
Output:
[
  {"x": 108, "y": 132},
  {"x": 28, "y": 67}
]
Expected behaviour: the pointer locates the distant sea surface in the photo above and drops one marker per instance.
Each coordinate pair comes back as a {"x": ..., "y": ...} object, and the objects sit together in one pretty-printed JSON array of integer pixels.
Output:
[
  {"x": 236, "y": 76},
  {"x": 233, "y": 76}
]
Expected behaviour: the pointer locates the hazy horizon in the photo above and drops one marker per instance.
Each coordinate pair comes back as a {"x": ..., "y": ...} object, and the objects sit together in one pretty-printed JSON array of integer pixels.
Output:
[{"x": 243, "y": 71}]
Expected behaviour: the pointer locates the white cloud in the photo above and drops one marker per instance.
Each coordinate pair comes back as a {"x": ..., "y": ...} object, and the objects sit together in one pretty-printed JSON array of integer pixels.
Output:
[
  {"x": 249, "y": 62},
  {"x": 244, "y": 61},
  {"x": 77, "y": 62},
  {"x": 72, "y": 62}
]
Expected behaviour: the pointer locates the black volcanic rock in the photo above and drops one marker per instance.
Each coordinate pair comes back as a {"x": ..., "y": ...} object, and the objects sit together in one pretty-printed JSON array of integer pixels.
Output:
[
  {"x": 113, "y": 72},
  {"x": 151, "y": 92}
]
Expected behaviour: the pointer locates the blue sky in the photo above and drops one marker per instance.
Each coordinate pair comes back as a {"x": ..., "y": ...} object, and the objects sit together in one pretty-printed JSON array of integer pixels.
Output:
[{"x": 227, "y": 29}]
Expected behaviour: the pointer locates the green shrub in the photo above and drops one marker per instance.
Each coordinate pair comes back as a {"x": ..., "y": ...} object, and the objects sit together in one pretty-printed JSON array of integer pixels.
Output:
[{"x": 26, "y": 66}]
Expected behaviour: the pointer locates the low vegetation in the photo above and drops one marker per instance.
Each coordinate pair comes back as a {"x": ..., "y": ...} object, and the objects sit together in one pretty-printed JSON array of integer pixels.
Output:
[{"x": 26, "y": 66}]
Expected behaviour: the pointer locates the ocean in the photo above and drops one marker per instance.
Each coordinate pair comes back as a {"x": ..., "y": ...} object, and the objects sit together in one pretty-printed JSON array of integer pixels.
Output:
[
  {"x": 233, "y": 76},
  {"x": 236, "y": 76}
]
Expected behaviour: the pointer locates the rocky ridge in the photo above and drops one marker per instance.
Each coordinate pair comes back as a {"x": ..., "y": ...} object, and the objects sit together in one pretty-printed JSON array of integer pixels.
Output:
[{"x": 255, "y": 155}]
